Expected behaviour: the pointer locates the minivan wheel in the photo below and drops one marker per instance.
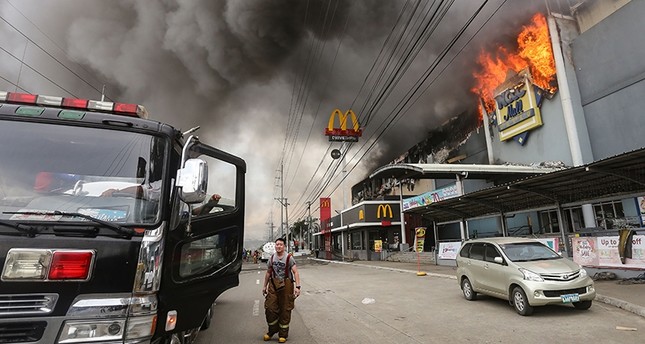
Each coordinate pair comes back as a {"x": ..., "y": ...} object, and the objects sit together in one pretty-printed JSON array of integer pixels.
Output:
[
  {"x": 467, "y": 288},
  {"x": 582, "y": 305},
  {"x": 520, "y": 302}
]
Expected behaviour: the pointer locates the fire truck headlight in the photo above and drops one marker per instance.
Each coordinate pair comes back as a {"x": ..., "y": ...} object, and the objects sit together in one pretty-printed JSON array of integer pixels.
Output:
[{"x": 84, "y": 331}]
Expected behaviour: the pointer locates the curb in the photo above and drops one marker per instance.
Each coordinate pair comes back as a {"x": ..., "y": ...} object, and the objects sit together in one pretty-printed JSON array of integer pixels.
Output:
[{"x": 630, "y": 307}]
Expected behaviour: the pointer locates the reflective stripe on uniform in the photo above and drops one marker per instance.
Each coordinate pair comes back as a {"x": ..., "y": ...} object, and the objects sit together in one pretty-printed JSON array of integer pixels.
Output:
[
  {"x": 274, "y": 322},
  {"x": 284, "y": 326}
]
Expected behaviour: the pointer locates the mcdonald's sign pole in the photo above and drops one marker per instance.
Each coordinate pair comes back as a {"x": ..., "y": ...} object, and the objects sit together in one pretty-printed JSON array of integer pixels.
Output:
[{"x": 344, "y": 135}]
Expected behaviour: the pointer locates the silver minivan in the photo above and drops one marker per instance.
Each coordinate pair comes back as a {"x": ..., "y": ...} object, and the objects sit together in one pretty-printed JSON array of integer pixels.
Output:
[{"x": 523, "y": 271}]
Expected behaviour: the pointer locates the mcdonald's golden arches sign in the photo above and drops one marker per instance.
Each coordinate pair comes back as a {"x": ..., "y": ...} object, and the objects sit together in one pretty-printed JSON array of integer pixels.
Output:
[
  {"x": 342, "y": 133},
  {"x": 382, "y": 212}
]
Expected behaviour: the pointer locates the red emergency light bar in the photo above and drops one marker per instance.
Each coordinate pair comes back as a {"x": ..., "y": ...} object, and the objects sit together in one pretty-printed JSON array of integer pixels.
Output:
[{"x": 133, "y": 110}]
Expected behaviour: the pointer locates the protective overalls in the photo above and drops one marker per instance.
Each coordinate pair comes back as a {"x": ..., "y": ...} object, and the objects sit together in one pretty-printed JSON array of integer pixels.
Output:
[{"x": 279, "y": 303}]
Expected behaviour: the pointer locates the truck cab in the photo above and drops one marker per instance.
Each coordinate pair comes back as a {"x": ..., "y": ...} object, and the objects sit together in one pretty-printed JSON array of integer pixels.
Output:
[{"x": 108, "y": 233}]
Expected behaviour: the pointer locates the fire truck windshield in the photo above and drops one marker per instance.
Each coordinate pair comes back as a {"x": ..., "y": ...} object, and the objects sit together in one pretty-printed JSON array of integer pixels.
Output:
[{"x": 106, "y": 174}]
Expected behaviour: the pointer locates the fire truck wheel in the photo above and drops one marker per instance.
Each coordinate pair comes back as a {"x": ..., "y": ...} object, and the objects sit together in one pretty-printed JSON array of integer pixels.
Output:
[{"x": 207, "y": 321}]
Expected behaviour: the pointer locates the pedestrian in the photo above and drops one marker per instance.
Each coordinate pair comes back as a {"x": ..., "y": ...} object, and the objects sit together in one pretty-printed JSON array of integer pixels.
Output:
[
  {"x": 280, "y": 291},
  {"x": 255, "y": 256}
]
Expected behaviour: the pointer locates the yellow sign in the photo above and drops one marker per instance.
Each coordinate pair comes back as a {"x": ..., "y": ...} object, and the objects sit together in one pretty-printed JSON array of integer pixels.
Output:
[
  {"x": 385, "y": 208},
  {"x": 361, "y": 215},
  {"x": 340, "y": 134},
  {"x": 420, "y": 238},
  {"x": 517, "y": 108},
  {"x": 378, "y": 245}
]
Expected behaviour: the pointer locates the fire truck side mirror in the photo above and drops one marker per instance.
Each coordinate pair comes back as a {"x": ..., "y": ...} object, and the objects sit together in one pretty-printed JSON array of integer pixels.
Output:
[{"x": 193, "y": 180}]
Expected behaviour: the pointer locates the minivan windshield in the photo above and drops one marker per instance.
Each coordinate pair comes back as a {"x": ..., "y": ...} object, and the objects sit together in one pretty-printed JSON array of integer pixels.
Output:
[
  {"x": 49, "y": 167},
  {"x": 528, "y": 251}
]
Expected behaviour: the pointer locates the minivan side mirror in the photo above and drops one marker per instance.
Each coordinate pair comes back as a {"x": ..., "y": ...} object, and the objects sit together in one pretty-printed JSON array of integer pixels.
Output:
[
  {"x": 498, "y": 260},
  {"x": 193, "y": 180}
]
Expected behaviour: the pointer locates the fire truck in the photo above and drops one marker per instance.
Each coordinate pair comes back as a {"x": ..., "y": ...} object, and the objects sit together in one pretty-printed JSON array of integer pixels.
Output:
[{"x": 108, "y": 233}]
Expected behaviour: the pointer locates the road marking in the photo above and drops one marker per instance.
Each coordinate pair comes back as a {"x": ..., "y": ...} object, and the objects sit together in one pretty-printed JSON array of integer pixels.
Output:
[
  {"x": 257, "y": 281},
  {"x": 256, "y": 308}
]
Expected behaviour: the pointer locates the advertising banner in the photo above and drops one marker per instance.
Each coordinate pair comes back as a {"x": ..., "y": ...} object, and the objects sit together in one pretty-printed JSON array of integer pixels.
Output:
[
  {"x": 420, "y": 237},
  {"x": 448, "y": 250},
  {"x": 378, "y": 245},
  {"x": 325, "y": 219},
  {"x": 430, "y": 197},
  {"x": 584, "y": 251},
  {"x": 603, "y": 252}
]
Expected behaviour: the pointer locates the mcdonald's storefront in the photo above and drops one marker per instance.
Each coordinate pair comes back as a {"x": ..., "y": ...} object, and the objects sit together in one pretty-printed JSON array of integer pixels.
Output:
[{"x": 367, "y": 230}]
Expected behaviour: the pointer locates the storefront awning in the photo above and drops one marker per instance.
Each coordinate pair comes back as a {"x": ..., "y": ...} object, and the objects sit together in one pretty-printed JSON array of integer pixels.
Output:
[{"x": 616, "y": 177}]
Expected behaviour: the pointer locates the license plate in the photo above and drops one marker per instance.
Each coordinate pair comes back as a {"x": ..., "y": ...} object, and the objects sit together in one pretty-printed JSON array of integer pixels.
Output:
[{"x": 568, "y": 298}]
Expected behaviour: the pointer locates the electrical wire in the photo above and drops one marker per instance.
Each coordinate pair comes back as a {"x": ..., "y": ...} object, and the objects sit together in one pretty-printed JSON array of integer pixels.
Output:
[
  {"x": 37, "y": 72},
  {"x": 415, "y": 93},
  {"x": 44, "y": 50}
]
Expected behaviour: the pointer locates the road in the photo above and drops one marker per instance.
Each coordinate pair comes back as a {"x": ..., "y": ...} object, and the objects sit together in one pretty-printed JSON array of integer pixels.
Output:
[{"x": 349, "y": 304}]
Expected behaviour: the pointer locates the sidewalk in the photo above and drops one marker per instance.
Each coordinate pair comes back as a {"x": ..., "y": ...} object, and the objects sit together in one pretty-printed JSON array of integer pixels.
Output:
[{"x": 630, "y": 297}]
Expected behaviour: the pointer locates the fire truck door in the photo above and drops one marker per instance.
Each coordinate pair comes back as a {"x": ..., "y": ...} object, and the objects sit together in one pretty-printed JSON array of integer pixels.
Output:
[{"x": 202, "y": 263}]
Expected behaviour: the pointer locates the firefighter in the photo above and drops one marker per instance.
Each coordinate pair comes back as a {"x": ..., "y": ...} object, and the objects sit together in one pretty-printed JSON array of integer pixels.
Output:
[{"x": 281, "y": 288}]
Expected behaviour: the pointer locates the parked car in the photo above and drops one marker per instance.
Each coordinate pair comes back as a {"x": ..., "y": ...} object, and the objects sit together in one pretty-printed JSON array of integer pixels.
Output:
[{"x": 523, "y": 271}]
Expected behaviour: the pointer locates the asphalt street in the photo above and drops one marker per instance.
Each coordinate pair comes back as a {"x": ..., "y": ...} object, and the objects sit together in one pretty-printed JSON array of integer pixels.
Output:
[{"x": 353, "y": 304}]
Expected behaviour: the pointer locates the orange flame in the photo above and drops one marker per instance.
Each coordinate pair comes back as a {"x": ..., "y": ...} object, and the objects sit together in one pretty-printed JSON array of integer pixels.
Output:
[{"x": 533, "y": 52}]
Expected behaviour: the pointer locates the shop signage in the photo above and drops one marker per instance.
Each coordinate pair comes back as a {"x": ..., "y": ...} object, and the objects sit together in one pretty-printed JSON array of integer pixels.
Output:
[
  {"x": 517, "y": 108},
  {"x": 342, "y": 134},
  {"x": 386, "y": 215}
]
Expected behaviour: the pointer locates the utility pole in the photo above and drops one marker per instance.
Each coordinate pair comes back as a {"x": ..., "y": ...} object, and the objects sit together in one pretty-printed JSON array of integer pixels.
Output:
[
  {"x": 285, "y": 204},
  {"x": 309, "y": 234},
  {"x": 270, "y": 223},
  {"x": 281, "y": 199},
  {"x": 286, "y": 216}
]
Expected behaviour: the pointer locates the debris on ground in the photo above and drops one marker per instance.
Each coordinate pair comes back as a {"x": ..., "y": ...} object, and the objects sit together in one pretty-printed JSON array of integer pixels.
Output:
[
  {"x": 604, "y": 276},
  {"x": 640, "y": 279},
  {"x": 623, "y": 328},
  {"x": 368, "y": 301}
]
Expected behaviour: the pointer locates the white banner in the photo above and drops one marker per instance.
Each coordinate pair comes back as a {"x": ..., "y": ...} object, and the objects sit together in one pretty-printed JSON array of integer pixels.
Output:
[{"x": 449, "y": 250}]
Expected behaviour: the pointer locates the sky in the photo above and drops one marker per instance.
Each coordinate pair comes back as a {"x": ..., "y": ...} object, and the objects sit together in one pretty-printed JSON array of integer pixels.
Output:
[{"x": 261, "y": 77}]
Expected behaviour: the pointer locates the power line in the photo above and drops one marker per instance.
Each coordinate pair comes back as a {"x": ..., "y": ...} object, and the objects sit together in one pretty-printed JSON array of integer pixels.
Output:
[
  {"x": 322, "y": 181},
  {"x": 37, "y": 72},
  {"x": 414, "y": 92},
  {"x": 13, "y": 84},
  {"x": 44, "y": 50}
]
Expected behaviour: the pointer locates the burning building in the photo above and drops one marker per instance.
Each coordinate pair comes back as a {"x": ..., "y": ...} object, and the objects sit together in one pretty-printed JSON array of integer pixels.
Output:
[{"x": 567, "y": 92}]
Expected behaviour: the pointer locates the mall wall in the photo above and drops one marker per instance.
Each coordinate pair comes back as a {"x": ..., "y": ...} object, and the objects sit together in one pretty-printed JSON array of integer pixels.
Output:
[{"x": 610, "y": 68}]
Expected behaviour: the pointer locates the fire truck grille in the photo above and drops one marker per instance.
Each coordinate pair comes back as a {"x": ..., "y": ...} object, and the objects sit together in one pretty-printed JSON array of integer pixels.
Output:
[
  {"x": 27, "y": 304},
  {"x": 22, "y": 332}
]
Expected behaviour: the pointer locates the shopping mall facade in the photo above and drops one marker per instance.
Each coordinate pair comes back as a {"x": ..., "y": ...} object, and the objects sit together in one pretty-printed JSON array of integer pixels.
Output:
[{"x": 564, "y": 164}]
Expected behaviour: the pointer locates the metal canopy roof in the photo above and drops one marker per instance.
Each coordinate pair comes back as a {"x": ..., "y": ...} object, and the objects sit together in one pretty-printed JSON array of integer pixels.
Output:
[
  {"x": 619, "y": 176},
  {"x": 448, "y": 171}
]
